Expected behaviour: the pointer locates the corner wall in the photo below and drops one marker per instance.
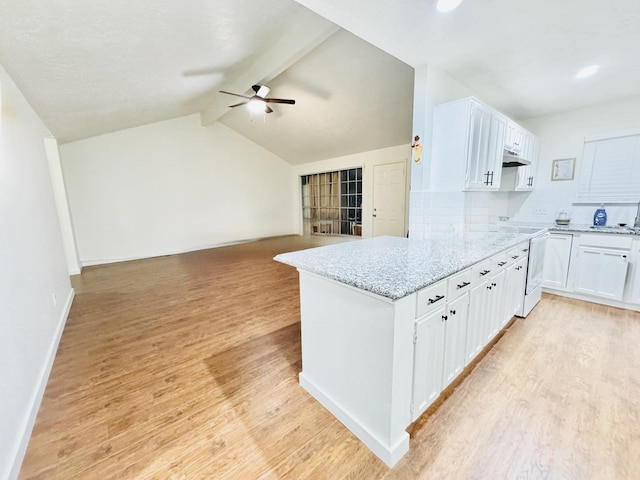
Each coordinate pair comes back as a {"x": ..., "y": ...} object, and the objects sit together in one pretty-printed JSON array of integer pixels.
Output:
[
  {"x": 35, "y": 292},
  {"x": 171, "y": 187}
]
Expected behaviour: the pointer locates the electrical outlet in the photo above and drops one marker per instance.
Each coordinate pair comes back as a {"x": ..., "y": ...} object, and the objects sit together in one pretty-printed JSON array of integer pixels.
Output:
[
  {"x": 54, "y": 298},
  {"x": 539, "y": 211}
]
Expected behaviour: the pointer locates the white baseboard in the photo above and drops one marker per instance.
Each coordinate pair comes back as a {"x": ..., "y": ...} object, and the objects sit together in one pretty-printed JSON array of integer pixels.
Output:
[
  {"x": 27, "y": 426},
  {"x": 389, "y": 454},
  {"x": 105, "y": 261}
]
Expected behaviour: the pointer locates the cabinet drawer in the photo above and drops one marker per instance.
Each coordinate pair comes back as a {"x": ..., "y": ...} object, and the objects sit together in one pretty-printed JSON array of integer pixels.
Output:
[
  {"x": 480, "y": 272},
  {"x": 498, "y": 262},
  {"x": 458, "y": 284},
  {"x": 605, "y": 241},
  {"x": 431, "y": 297},
  {"x": 516, "y": 254}
]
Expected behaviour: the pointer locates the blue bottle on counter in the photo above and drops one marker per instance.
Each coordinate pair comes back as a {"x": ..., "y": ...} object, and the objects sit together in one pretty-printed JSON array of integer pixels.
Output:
[{"x": 600, "y": 216}]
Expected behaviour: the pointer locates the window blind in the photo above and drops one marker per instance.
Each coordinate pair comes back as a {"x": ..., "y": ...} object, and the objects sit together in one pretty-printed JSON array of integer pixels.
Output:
[{"x": 610, "y": 169}]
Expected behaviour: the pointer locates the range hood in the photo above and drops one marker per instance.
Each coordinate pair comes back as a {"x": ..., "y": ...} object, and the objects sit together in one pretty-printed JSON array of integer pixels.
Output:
[{"x": 513, "y": 159}]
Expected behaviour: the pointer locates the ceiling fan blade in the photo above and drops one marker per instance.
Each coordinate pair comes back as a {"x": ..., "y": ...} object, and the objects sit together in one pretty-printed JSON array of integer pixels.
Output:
[
  {"x": 238, "y": 104},
  {"x": 261, "y": 90},
  {"x": 235, "y": 94},
  {"x": 280, "y": 100},
  {"x": 268, "y": 109}
]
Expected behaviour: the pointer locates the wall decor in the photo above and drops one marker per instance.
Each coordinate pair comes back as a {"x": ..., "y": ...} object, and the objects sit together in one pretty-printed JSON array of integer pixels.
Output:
[{"x": 563, "y": 169}]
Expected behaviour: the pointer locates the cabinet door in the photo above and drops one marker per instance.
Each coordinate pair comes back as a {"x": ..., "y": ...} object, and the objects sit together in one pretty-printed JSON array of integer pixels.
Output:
[
  {"x": 427, "y": 360},
  {"x": 455, "y": 339},
  {"x": 556, "y": 261},
  {"x": 495, "y": 150},
  {"x": 514, "y": 137},
  {"x": 511, "y": 293},
  {"x": 601, "y": 272},
  {"x": 634, "y": 287},
  {"x": 478, "y": 175},
  {"x": 526, "y": 174},
  {"x": 495, "y": 310},
  {"x": 476, "y": 323},
  {"x": 520, "y": 283}
]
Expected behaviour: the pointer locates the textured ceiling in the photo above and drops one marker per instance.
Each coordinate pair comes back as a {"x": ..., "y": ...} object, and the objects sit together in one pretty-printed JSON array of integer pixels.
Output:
[
  {"x": 89, "y": 68},
  {"x": 93, "y": 67},
  {"x": 350, "y": 97}
]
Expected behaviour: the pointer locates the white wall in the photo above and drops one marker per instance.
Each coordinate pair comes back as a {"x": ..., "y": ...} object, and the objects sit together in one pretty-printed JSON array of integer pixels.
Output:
[
  {"x": 62, "y": 206},
  {"x": 32, "y": 270},
  {"x": 562, "y": 136},
  {"x": 399, "y": 153},
  {"x": 171, "y": 187}
]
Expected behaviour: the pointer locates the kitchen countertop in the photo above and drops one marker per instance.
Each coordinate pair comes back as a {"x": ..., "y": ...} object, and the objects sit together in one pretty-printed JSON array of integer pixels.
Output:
[
  {"x": 395, "y": 267},
  {"x": 585, "y": 228}
]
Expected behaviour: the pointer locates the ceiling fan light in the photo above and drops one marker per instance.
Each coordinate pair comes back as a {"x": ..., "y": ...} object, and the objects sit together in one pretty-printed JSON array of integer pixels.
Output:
[
  {"x": 257, "y": 106},
  {"x": 447, "y": 5},
  {"x": 588, "y": 71}
]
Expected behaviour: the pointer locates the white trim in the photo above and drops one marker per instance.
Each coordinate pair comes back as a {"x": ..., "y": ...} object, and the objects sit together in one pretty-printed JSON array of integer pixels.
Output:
[
  {"x": 389, "y": 454},
  {"x": 104, "y": 261},
  {"x": 606, "y": 136},
  {"x": 28, "y": 422}
]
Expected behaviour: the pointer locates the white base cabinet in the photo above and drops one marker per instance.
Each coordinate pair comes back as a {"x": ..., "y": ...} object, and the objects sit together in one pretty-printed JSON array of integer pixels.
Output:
[
  {"x": 633, "y": 295},
  {"x": 456, "y": 317},
  {"x": 599, "y": 267},
  {"x": 428, "y": 360},
  {"x": 377, "y": 364}
]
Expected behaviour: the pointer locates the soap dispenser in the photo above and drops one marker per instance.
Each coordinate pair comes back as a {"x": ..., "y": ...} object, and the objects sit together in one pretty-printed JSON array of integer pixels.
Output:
[{"x": 600, "y": 216}]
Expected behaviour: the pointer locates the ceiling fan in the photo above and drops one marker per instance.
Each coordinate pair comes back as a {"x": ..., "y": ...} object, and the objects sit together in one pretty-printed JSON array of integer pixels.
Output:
[{"x": 259, "y": 102}]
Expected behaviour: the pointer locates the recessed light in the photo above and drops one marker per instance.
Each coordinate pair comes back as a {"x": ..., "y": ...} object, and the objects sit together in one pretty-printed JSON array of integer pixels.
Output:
[
  {"x": 588, "y": 71},
  {"x": 447, "y": 5}
]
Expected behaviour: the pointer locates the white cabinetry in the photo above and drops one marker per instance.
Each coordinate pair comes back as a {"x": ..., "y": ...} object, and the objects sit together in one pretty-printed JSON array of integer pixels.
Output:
[
  {"x": 440, "y": 338},
  {"x": 526, "y": 174},
  {"x": 556, "y": 261},
  {"x": 601, "y": 265},
  {"x": 428, "y": 359},
  {"x": 634, "y": 286},
  {"x": 495, "y": 308},
  {"x": 478, "y": 310},
  {"x": 468, "y": 139},
  {"x": 456, "y": 317},
  {"x": 514, "y": 139},
  {"x": 518, "y": 259}
]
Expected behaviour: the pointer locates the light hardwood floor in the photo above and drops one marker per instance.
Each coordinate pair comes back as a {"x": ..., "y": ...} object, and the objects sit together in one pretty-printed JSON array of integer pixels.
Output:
[{"x": 185, "y": 367}]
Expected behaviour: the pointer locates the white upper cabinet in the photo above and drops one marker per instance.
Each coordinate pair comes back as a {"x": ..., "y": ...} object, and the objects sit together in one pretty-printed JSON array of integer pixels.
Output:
[
  {"x": 514, "y": 139},
  {"x": 468, "y": 144},
  {"x": 526, "y": 175}
]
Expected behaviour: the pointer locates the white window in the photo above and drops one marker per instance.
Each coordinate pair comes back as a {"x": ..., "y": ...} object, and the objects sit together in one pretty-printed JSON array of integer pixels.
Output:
[{"x": 611, "y": 168}]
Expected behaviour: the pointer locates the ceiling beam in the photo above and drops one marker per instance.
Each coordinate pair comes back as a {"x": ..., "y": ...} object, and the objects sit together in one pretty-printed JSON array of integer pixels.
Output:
[{"x": 306, "y": 35}]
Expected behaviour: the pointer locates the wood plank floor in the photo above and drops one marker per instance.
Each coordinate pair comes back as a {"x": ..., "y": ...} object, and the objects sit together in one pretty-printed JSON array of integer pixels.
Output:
[{"x": 185, "y": 367}]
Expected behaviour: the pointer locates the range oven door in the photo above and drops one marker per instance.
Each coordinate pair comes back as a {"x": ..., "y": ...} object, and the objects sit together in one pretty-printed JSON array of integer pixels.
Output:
[{"x": 536, "y": 262}]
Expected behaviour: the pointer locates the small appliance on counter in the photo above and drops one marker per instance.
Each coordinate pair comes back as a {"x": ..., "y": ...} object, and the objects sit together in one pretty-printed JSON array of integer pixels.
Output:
[
  {"x": 563, "y": 218},
  {"x": 600, "y": 217}
]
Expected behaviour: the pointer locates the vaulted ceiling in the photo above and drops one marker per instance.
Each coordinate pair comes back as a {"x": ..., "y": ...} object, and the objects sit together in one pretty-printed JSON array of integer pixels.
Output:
[{"x": 93, "y": 67}]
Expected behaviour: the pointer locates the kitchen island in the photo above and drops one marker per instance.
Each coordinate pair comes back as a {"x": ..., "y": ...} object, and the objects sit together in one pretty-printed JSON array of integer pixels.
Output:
[{"x": 387, "y": 323}]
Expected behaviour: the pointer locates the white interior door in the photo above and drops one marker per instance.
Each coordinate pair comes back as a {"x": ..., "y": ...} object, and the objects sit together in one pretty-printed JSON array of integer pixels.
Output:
[{"x": 389, "y": 199}]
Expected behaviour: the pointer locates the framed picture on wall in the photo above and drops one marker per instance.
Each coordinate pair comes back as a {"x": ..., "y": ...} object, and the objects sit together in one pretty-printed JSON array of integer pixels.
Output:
[{"x": 563, "y": 169}]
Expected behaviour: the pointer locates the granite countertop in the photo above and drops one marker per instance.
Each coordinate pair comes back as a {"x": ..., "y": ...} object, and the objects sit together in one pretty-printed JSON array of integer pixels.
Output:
[
  {"x": 585, "y": 228},
  {"x": 395, "y": 267}
]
